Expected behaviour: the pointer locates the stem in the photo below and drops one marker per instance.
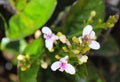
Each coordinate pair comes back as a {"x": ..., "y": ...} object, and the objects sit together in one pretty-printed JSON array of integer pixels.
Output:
[{"x": 5, "y": 24}]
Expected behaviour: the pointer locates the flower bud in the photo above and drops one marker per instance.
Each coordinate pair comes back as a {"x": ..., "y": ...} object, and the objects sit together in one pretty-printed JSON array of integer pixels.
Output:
[
  {"x": 52, "y": 50},
  {"x": 44, "y": 64},
  {"x": 27, "y": 57},
  {"x": 59, "y": 34},
  {"x": 100, "y": 21},
  {"x": 75, "y": 39},
  {"x": 23, "y": 68},
  {"x": 57, "y": 57},
  {"x": 65, "y": 49},
  {"x": 68, "y": 43},
  {"x": 21, "y": 57},
  {"x": 63, "y": 38},
  {"x": 76, "y": 51},
  {"x": 37, "y": 34},
  {"x": 80, "y": 63},
  {"x": 28, "y": 66},
  {"x": 93, "y": 13},
  {"x": 83, "y": 59},
  {"x": 110, "y": 25}
]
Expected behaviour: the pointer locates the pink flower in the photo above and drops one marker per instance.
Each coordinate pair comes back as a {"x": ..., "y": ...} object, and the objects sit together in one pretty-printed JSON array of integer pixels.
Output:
[
  {"x": 88, "y": 35},
  {"x": 63, "y": 65},
  {"x": 50, "y": 37}
]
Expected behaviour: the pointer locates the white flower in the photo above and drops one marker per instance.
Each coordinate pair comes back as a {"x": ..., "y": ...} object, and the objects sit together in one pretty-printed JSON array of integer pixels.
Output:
[
  {"x": 83, "y": 59},
  {"x": 50, "y": 37},
  {"x": 63, "y": 65},
  {"x": 88, "y": 34}
]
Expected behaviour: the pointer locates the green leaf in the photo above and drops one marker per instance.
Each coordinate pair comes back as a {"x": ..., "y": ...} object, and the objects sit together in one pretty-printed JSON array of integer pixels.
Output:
[
  {"x": 29, "y": 75},
  {"x": 35, "y": 14},
  {"x": 35, "y": 49},
  {"x": 22, "y": 46},
  {"x": 80, "y": 12},
  {"x": 19, "y": 4}
]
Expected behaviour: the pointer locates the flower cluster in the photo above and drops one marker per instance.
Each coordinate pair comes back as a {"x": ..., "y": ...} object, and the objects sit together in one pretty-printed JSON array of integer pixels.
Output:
[{"x": 79, "y": 47}]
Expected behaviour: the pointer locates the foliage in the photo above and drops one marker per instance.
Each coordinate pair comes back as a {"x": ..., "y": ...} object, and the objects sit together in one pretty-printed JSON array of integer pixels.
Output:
[
  {"x": 25, "y": 21},
  {"x": 35, "y": 48},
  {"x": 81, "y": 13}
]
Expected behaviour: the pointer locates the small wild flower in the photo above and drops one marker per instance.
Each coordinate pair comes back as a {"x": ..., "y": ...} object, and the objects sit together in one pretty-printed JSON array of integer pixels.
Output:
[
  {"x": 88, "y": 36},
  {"x": 50, "y": 37},
  {"x": 63, "y": 65}
]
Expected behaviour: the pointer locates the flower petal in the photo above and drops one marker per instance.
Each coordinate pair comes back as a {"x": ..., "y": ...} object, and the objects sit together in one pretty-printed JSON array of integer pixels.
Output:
[
  {"x": 80, "y": 39},
  {"x": 54, "y": 37},
  {"x": 94, "y": 45},
  {"x": 92, "y": 35},
  {"x": 70, "y": 69},
  {"x": 55, "y": 66},
  {"x": 49, "y": 44},
  {"x": 64, "y": 59},
  {"x": 46, "y": 30},
  {"x": 87, "y": 30}
]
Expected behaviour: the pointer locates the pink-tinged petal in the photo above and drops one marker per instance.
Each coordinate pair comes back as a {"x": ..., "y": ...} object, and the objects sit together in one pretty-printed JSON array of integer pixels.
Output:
[
  {"x": 80, "y": 39},
  {"x": 87, "y": 30},
  {"x": 63, "y": 66},
  {"x": 94, "y": 45},
  {"x": 46, "y": 30},
  {"x": 49, "y": 44},
  {"x": 70, "y": 69},
  {"x": 92, "y": 35},
  {"x": 64, "y": 59},
  {"x": 55, "y": 66},
  {"x": 54, "y": 37}
]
